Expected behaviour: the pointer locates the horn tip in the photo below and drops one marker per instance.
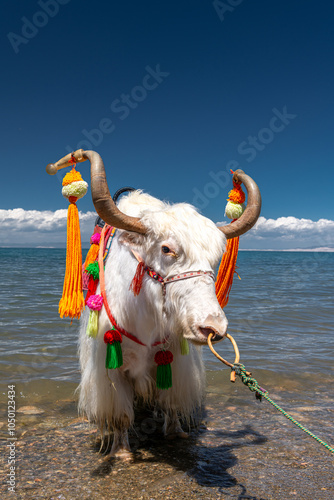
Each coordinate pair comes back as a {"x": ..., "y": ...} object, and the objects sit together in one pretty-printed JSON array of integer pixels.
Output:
[{"x": 51, "y": 169}]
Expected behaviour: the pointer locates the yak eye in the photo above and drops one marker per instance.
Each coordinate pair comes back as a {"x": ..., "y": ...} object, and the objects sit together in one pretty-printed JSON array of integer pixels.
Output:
[{"x": 165, "y": 249}]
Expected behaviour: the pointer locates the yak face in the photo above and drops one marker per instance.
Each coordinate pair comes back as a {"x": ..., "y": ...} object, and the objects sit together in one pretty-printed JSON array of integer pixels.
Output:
[{"x": 179, "y": 240}]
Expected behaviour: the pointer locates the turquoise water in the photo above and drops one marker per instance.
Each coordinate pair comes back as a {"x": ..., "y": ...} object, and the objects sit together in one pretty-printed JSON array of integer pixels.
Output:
[{"x": 280, "y": 313}]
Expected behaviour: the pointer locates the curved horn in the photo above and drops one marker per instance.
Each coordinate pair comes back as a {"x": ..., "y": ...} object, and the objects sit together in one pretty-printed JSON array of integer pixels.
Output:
[
  {"x": 252, "y": 212},
  {"x": 102, "y": 199}
]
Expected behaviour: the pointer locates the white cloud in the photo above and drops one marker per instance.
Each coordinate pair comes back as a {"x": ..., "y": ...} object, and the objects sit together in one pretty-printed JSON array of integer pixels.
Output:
[
  {"x": 289, "y": 233},
  {"x": 19, "y": 227}
]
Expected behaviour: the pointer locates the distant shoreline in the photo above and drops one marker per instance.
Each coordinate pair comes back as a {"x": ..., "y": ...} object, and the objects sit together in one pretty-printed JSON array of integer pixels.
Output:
[{"x": 320, "y": 249}]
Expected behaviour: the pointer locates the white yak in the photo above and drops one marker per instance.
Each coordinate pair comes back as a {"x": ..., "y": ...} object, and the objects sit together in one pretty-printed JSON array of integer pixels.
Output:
[{"x": 171, "y": 240}]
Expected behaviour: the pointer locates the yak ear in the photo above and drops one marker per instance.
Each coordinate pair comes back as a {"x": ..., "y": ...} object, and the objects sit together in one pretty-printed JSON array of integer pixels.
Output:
[{"x": 131, "y": 239}]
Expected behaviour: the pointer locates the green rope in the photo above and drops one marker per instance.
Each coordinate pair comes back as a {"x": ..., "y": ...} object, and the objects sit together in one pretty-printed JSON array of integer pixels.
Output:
[{"x": 253, "y": 386}]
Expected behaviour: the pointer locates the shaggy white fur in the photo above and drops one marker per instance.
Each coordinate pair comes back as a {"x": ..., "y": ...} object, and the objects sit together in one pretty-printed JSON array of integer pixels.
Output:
[{"x": 107, "y": 396}]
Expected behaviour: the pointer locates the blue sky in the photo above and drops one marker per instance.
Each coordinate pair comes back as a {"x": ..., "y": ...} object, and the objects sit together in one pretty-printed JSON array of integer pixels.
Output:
[{"x": 171, "y": 94}]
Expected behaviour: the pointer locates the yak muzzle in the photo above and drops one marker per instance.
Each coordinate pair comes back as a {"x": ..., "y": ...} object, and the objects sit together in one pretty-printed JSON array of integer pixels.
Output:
[{"x": 216, "y": 325}]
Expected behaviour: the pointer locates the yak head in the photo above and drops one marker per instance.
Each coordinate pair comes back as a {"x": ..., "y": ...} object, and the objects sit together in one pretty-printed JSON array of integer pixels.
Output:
[
  {"x": 172, "y": 239},
  {"x": 178, "y": 240}
]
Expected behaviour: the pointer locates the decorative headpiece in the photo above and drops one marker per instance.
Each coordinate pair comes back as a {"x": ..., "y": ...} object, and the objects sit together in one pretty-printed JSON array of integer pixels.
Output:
[
  {"x": 233, "y": 210},
  {"x": 72, "y": 301}
]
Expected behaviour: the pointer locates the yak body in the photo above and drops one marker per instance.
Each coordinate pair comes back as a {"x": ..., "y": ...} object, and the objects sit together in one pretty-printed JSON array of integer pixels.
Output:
[{"x": 190, "y": 309}]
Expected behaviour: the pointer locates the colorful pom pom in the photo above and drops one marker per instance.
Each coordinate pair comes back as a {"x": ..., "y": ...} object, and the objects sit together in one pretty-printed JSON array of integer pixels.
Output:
[
  {"x": 95, "y": 302},
  {"x": 73, "y": 176},
  {"x": 235, "y": 203},
  {"x": 236, "y": 194},
  {"x": 234, "y": 210},
  {"x": 77, "y": 189},
  {"x": 163, "y": 357},
  {"x": 114, "y": 356},
  {"x": 112, "y": 336},
  {"x": 95, "y": 238},
  {"x": 74, "y": 185},
  {"x": 93, "y": 270}
]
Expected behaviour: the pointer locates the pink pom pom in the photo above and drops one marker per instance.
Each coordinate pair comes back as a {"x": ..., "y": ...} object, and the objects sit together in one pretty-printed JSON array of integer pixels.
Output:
[
  {"x": 95, "y": 238},
  {"x": 95, "y": 302}
]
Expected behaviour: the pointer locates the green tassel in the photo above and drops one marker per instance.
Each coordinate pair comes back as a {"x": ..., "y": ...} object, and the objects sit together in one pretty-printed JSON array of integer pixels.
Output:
[
  {"x": 184, "y": 346},
  {"x": 93, "y": 324},
  {"x": 164, "y": 376},
  {"x": 93, "y": 270},
  {"x": 114, "y": 358}
]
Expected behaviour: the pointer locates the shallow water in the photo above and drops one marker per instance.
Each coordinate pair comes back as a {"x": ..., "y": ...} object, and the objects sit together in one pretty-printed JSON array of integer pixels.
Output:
[{"x": 280, "y": 313}]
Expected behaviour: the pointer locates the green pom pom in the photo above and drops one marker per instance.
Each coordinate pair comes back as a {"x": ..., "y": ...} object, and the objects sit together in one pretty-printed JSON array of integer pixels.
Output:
[
  {"x": 164, "y": 376},
  {"x": 184, "y": 345},
  {"x": 93, "y": 324},
  {"x": 93, "y": 270},
  {"x": 234, "y": 210},
  {"x": 114, "y": 358}
]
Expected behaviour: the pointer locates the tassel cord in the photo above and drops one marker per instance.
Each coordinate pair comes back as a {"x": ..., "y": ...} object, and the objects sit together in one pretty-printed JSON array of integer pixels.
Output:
[
  {"x": 72, "y": 301},
  {"x": 226, "y": 271}
]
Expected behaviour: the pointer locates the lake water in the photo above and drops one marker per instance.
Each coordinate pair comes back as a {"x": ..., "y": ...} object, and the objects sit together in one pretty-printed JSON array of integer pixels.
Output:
[{"x": 280, "y": 313}]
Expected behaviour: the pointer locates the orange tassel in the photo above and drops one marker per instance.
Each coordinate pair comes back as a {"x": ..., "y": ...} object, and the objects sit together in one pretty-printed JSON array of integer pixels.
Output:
[
  {"x": 226, "y": 271},
  {"x": 92, "y": 255},
  {"x": 72, "y": 301}
]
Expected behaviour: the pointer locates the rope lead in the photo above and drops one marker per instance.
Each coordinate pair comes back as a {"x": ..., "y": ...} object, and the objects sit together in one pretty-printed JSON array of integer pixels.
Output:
[{"x": 253, "y": 385}]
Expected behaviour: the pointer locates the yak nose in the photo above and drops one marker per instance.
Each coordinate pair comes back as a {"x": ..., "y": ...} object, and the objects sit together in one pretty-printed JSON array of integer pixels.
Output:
[{"x": 216, "y": 325}]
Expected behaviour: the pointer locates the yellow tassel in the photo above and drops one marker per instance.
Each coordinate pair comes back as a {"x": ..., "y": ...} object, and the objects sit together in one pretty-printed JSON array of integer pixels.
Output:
[
  {"x": 72, "y": 302},
  {"x": 92, "y": 255},
  {"x": 226, "y": 271},
  {"x": 184, "y": 346}
]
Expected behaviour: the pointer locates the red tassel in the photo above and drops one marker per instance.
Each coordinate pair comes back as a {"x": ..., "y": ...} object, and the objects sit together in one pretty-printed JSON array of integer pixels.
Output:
[
  {"x": 137, "y": 281},
  {"x": 92, "y": 286}
]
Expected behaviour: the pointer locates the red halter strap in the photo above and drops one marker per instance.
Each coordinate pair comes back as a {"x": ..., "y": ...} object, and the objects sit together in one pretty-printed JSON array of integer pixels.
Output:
[
  {"x": 175, "y": 277},
  {"x": 153, "y": 274},
  {"x": 188, "y": 274},
  {"x": 104, "y": 296}
]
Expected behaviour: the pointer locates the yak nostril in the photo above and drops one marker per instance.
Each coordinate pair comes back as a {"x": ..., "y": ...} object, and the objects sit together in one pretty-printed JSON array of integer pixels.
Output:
[
  {"x": 217, "y": 325},
  {"x": 206, "y": 330}
]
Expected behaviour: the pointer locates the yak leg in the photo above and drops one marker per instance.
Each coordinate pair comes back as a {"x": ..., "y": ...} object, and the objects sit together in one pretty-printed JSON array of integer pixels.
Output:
[
  {"x": 122, "y": 416},
  {"x": 106, "y": 397},
  {"x": 121, "y": 447},
  {"x": 172, "y": 427}
]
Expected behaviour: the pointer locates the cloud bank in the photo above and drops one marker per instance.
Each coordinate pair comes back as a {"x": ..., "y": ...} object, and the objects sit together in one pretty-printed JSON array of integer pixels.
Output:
[
  {"x": 33, "y": 228},
  {"x": 287, "y": 233}
]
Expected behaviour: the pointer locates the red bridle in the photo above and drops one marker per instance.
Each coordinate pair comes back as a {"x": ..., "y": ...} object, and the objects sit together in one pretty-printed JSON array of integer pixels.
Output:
[
  {"x": 170, "y": 279},
  {"x": 153, "y": 274}
]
